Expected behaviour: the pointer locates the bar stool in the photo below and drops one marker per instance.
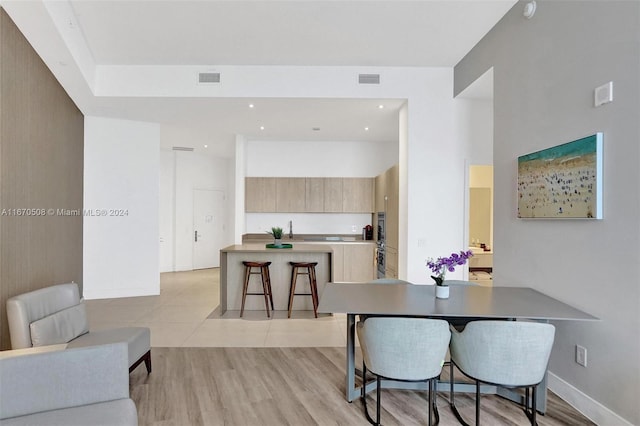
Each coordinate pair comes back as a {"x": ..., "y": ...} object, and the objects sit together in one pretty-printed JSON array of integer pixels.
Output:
[
  {"x": 298, "y": 268},
  {"x": 263, "y": 271}
]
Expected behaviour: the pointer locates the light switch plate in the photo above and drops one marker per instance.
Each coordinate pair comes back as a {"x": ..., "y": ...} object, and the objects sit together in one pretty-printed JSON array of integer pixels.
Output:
[{"x": 603, "y": 94}]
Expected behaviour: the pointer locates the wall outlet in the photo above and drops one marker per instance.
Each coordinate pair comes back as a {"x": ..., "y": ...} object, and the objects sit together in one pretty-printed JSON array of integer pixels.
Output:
[
  {"x": 354, "y": 229},
  {"x": 581, "y": 355}
]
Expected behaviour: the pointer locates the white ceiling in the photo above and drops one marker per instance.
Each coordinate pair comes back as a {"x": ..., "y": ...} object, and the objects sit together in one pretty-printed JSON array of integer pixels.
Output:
[{"x": 418, "y": 33}]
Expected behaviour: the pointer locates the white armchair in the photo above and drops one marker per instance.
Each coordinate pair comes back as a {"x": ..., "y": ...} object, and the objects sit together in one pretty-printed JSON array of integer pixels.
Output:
[
  {"x": 82, "y": 386},
  {"x": 55, "y": 315}
]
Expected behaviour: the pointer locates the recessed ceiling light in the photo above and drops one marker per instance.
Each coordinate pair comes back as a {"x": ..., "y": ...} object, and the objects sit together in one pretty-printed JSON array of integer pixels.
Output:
[
  {"x": 380, "y": 106},
  {"x": 206, "y": 146},
  {"x": 251, "y": 105},
  {"x": 366, "y": 129},
  {"x": 261, "y": 127}
]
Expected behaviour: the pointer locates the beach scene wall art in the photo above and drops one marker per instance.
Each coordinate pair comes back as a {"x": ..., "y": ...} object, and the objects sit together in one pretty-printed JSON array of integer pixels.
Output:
[{"x": 562, "y": 182}]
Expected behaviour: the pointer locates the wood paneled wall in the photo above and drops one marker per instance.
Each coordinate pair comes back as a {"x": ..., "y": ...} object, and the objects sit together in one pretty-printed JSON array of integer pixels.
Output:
[{"x": 41, "y": 168}]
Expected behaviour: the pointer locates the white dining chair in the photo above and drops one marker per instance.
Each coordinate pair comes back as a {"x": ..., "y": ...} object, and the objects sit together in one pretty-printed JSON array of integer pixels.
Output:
[
  {"x": 512, "y": 354},
  {"x": 403, "y": 349}
]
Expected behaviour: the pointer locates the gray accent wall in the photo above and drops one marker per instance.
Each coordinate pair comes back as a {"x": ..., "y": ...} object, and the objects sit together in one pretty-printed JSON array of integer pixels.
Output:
[
  {"x": 545, "y": 72},
  {"x": 41, "y": 167}
]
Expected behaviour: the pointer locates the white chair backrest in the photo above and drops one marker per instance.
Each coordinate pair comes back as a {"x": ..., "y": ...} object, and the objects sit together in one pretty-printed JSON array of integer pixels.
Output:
[
  {"x": 404, "y": 348},
  {"x": 511, "y": 353},
  {"x": 26, "y": 308}
]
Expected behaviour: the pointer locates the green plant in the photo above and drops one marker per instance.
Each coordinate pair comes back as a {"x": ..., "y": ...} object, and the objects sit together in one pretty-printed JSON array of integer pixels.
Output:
[{"x": 276, "y": 231}]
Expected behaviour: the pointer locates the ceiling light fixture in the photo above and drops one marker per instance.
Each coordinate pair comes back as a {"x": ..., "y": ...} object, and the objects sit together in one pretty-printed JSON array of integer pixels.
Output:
[
  {"x": 366, "y": 129},
  {"x": 206, "y": 146},
  {"x": 261, "y": 127},
  {"x": 251, "y": 105},
  {"x": 380, "y": 106}
]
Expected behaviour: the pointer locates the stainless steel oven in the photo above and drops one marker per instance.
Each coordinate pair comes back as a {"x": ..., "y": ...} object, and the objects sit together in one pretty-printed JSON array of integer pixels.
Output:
[{"x": 381, "y": 245}]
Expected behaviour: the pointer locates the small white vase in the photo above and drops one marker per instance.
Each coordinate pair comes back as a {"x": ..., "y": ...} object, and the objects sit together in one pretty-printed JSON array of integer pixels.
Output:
[
  {"x": 442, "y": 292},
  {"x": 277, "y": 241}
]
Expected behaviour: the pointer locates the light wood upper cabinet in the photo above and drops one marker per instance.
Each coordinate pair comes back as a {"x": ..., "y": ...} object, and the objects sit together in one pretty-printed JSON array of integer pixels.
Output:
[
  {"x": 380, "y": 193},
  {"x": 357, "y": 195},
  {"x": 290, "y": 195},
  {"x": 311, "y": 195},
  {"x": 333, "y": 195},
  {"x": 260, "y": 195},
  {"x": 314, "y": 195},
  {"x": 392, "y": 189}
]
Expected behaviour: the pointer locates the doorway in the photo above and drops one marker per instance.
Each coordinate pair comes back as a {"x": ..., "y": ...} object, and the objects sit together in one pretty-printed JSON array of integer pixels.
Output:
[{"x": 208, "y": 227}]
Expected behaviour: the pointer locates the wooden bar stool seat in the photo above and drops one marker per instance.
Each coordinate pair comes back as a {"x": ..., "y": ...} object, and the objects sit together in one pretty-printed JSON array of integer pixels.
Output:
[
  {"x": 262, "y": 269},
  {"x": 308, "y": 269}
]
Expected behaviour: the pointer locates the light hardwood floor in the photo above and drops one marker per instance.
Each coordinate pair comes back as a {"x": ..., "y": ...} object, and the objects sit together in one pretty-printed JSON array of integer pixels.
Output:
[
  {"x": 291, "y": 386},
  {"x": 254, "y": 371}
]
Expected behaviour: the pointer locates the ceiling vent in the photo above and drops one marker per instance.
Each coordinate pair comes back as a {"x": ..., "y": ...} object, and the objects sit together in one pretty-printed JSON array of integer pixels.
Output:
[
  {"x": 182, "y": 148},
  {"x": 369, "y": 78},
  {"x": 209, "y": 77}
]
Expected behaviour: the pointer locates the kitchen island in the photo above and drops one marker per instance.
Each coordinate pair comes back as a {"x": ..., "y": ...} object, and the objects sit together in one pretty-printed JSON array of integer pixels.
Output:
[{"x": 232, "y": 274}]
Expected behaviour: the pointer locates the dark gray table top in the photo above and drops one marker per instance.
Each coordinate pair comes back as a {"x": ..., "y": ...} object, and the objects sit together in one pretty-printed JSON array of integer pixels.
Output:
[{"x": 464, "y": 302}]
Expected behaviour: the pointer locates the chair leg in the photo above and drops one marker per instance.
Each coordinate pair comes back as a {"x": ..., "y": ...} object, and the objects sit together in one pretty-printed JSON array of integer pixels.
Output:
[
  {"x": 363, "y": 396},
  {"x": 477, "y": 403},
  {"x": 147, "y": 362},
  {"x": 292, "y": 288},
  {"x": 314, "y": 289},
  {"x": 247, "y": 271},
  {"x": 265, "y": 289},
  {"x": 266, "y": 269},
  {"x": 430, "y": 403},
  {"x": 378, "y": 386},
  {"x": 533, "y": 406},
  {"x": 452, "y": 402}
]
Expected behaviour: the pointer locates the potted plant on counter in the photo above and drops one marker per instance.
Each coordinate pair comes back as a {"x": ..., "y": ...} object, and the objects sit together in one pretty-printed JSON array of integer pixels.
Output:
[
  {"x": 276, "y": 231},
  {"x": 440, "y": 266}
]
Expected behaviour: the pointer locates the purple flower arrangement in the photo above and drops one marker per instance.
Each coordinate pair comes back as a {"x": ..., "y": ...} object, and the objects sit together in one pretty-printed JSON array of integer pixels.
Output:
[{"x": 441, "y": 265}]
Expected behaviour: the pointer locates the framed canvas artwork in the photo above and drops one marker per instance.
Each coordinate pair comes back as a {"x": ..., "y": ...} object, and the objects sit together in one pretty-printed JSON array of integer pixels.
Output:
[{"x": 562, "y": 182}]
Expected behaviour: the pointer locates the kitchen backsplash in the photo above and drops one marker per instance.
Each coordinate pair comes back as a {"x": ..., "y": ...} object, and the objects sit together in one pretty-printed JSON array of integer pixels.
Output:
[{"x": 309, "y": 223}]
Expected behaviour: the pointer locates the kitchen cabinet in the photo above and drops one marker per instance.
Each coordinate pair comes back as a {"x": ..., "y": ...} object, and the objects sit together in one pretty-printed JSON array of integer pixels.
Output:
[
  {"x": 290, "y": 195},
  {"x": 357, "y": 195},
  {"x": 379, "y": 199},
  {"x": 392, "y": 188},
  {"x": 333, "y": 195},
  {"x": 359, "y": 262},
  {"x": 309, "y": 195},
  {"x": 353, "y": 262},
  {"x": 260, "y": 195},
  {"x": 314, "y": 195},
  {"x": 338, "y": 263}
]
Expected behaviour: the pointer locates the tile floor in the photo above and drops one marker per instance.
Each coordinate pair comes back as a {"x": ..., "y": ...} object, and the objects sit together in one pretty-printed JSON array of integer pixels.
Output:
[{"x": 182, "y": 316}]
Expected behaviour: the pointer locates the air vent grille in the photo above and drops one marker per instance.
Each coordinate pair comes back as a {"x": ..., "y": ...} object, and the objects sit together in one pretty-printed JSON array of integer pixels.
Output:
[
  {"x": 369, "y": 78},
  {"x": 209, "y": 77},
  {"x": 182, "y": 148}
]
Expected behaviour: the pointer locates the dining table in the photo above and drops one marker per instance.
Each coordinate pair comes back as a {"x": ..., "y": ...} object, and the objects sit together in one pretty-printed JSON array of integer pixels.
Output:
[{"x": 465, "y": 303}]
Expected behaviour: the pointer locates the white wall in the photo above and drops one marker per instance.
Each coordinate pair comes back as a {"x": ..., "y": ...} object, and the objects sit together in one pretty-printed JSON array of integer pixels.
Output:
[
  {"x": 121, "y": 168},
  {"x": 181, "y": 173},
  {"x": 475, "y": 126},
  {"x": 545, "y": 73},
  {"x": 319, "y": 159}
]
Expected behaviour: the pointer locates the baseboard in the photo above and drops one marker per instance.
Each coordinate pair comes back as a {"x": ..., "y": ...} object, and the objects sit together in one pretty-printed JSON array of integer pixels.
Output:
[{"x": 589, "y": 407}]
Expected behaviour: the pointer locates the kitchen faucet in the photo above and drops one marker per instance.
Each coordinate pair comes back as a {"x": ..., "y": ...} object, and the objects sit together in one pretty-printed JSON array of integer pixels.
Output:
[{"x": 291, "y": 230}]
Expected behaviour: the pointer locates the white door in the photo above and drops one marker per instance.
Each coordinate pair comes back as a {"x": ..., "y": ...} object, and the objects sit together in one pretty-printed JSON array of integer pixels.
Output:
[{"x": 208, "y": 227}]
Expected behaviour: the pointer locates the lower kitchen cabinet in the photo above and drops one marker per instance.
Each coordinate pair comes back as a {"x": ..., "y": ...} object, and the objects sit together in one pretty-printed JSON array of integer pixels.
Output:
[{"x": 351, "y": 262}]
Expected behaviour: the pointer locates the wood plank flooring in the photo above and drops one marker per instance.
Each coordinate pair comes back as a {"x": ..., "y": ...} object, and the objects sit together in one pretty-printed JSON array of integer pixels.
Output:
[{"x": 291, "y": 386}]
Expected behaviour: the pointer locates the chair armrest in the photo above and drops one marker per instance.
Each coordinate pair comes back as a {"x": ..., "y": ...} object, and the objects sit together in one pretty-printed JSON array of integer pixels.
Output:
[{"x": 63, "y": 379}]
